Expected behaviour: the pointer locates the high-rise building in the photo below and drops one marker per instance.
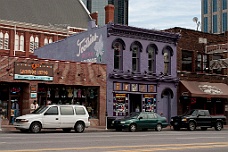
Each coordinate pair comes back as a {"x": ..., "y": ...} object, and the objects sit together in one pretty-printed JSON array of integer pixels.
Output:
[
  {"x": 214, "y": 16},
  {"x": 121, "y": 10}
]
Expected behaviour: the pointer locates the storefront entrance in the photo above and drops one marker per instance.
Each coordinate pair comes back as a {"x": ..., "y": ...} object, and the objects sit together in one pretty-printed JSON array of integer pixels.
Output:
[{"x": 135, "y": 102}]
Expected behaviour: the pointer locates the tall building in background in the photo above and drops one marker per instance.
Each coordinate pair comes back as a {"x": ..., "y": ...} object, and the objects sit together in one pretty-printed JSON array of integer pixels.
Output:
[
  {"x": 97, "y": 6},
  {"x": 121, "y": 10},
  {"x": 214, "y": 16}
]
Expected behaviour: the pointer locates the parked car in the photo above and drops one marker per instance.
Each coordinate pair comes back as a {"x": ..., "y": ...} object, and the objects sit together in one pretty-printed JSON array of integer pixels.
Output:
[
  {"x": 140, "y": 120},
  {"x": 198, "y": 118},
  {"x": 65, "y": 117}
]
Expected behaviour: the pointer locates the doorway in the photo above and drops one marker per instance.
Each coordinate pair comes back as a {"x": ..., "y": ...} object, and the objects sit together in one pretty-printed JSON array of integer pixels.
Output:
[{"x": 135, "y": 102}]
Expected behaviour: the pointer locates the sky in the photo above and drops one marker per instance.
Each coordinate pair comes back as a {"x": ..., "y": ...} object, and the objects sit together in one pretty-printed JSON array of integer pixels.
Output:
[{"x": 164, "y": 14}]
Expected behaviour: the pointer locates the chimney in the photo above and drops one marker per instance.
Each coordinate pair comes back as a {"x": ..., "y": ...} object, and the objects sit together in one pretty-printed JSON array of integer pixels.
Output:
[
  {"x": 94, "y": 16},
  {"x": 109, "y": 13}
]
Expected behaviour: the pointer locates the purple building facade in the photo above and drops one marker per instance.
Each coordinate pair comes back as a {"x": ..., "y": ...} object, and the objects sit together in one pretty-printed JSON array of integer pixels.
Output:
[{"x": 141, "y": 66}]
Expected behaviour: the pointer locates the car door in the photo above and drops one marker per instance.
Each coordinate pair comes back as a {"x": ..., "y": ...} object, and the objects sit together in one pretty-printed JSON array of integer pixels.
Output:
[
  {"x": 152, "y": 120},
  {"x": 67, "y": 117},
  {"x": 203, "y": 119},
  {"x": 142, "y": 120},
  {"x": 51, "y": 118}
]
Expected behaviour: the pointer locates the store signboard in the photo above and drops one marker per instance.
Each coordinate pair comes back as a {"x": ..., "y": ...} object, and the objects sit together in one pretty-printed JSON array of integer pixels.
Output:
[{"x": 33, "y": 71}]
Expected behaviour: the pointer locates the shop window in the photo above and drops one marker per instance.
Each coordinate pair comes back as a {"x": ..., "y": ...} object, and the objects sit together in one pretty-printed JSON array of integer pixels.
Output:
[
  {"x": 120, "y": 105},
  {"x": 219, "y": 69},
  {"x": 167, "y": 53},
  {"x": 66, "y": 110},
  {"x": 186, "y": 60},
  {"x": 152, "y": 49},
  {"x": 136, "y": 48},
  {"x": 149, "y": 103}
]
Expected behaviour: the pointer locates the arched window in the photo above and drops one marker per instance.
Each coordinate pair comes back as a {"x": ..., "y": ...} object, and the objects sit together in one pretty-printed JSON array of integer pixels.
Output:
[
  {"x": 45, "y": 41},
  {"x": 136, "y": 48},
  {"x": 1, "y": 40},
  {"x": 22, "y": 40},
  {"x": 118, "y": 46},
  {"x": 152, "y": 50},
  {"x": 36, "y": 44},
  {"x": 6, "y": 41},
  {"x": 167, "y": 53},
  {"x": 31, "y": 46},
  {"x": 16, "y": 43},
  {"x": 50, "y": 40}
]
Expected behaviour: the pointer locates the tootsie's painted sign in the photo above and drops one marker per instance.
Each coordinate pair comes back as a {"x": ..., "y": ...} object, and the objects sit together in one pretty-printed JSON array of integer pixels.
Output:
[{"x": 33, "y": 71}]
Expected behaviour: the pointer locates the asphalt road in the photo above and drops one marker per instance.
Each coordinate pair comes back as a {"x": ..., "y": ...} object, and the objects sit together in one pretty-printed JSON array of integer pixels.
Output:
[{"x": 146, "y": 141}]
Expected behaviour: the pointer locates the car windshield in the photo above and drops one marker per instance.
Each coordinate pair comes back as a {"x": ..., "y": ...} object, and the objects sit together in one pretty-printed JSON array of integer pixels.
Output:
[
  {"x": 133, "y": 115},
  {"x": 191, "y": 112},
  {"x": 40, "y": 110}
]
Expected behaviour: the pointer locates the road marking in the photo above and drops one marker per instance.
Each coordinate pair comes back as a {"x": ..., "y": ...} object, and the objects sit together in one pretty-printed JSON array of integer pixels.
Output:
[
  {"x": 200, "y": 138},
  {"x": 136, "y": 148}
]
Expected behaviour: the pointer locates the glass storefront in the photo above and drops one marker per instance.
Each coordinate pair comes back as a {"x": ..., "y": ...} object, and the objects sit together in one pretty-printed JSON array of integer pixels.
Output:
[{"x": 62, "y": 94}]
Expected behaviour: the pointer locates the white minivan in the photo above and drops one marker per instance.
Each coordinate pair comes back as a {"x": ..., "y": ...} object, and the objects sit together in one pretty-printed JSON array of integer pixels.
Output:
[{"x": 66, "y": 117}]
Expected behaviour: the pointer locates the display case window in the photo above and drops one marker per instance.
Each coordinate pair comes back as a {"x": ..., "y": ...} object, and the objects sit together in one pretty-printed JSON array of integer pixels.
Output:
[
  {"x": 126, "y": 87},
  {"x": 117, "y": 86},
  {"x": 120, "y": 105},
  {"x": 149, "y": 103},
  {"x": 143, "y": 88},
  {"x": 134, "y": 87},
  {"x": 151, "y": 88}
]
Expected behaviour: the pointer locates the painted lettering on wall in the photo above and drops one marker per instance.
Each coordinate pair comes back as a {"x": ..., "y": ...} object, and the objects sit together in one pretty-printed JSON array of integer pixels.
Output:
[{"x": 86, "y": 43}]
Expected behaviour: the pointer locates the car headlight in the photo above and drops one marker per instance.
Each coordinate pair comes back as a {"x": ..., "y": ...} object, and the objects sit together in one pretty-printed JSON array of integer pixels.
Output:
[
  {"x": 122, "y": 122},
  {"x": 113, "y": 122},
  {"x": 184, "y": 119},
  {"x": 24, "y": 120},
  {"x": 171, "y": 119}
]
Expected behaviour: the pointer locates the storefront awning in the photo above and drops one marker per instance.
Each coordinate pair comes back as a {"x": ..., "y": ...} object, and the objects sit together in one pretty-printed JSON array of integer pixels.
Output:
[{"x": 205, "y": 89}]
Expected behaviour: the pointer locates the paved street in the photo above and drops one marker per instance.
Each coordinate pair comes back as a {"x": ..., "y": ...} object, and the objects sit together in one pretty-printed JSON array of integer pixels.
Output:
[{"x": 111, "y": 141}]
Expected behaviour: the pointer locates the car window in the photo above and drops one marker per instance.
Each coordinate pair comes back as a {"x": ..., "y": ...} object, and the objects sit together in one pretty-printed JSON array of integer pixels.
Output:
[
  {"x": 143, "y": 115},
  {"x": 65, "y": 110},
  {"x": 80, "y": 111},
  {"x": 151, "y": 116},
  {"x": 40, "y": 110},
  {"x": 52, "y": 111},
  {"x": 201, "y": 113}
]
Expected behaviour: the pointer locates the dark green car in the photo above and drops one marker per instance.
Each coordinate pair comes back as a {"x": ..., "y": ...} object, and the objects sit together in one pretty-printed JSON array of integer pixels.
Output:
[{"x": 140, "y": 121}]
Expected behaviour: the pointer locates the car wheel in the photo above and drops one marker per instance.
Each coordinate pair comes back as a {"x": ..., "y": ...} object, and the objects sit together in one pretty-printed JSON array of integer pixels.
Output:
[
  {"x": 158, "y": 127},
  {"x": 132, "y": 127},
  {"x": 66, "y": 129},
  {"x": 218, "y": 126},
  {"x": 176, "y": 128},
  {"x": 191, "y": 126},
  {"x": 79, "y": 127},
  {"x": 35, "y": 127},
  {"x": 203, "y": 128}
]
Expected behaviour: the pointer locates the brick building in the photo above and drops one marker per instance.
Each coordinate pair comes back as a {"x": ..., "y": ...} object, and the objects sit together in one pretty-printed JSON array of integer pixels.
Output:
[{"x": 202, "y": 72}]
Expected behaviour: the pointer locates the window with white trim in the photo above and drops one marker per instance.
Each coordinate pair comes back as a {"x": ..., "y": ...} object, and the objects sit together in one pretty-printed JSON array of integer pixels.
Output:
[
  {"x": 16, "y": 42},
  {"x": 50, "y": 40},
  {"x": 1, "y": 40},
  {"x": 31, "y": 44},
  {"x": 36, "y": 44},
  {"x": 6, "y": 41},
  {"x": 22, "y": 40},
  {"x": 45, "y": 41}
]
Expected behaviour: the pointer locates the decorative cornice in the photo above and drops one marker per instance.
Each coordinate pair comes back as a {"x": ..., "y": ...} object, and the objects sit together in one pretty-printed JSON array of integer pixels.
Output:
[{"x": 144, "y": 34}]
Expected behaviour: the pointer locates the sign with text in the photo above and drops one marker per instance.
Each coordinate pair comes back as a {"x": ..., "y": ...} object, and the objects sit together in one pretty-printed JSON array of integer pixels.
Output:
[{"x": 33, "y": 71}]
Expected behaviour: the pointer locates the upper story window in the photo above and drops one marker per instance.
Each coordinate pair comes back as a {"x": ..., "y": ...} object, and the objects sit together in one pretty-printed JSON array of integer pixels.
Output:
[
  {"x": 22, "y": 40},
  {"x": 187, "y": 60},
  {"x": 6, "y": 41},
  {"x": 1, "y": 40},
  {"x": 215, "y": 23},
  {"x": 167, "y": 53},
  {"x": 34, "y": 43},
  {"x": 152, "y": 51},
  {"x": 136, "y": 48},
  {"x": 16, "y": 43},
  {"x": 217, "y": 57},
  {"x": 205, "y": 6},
  {"x": 205, "y": 26},
  {"x": 19, "y": 43},
  {"x": 224, "y": 4},
  {"x": 214, "y": 5},
  {"x": 45, "y": 41},
  {"x": 118, "y": 47},
  {"x": 224, "y": 22},
  {"x": 202, "y": 62}
]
